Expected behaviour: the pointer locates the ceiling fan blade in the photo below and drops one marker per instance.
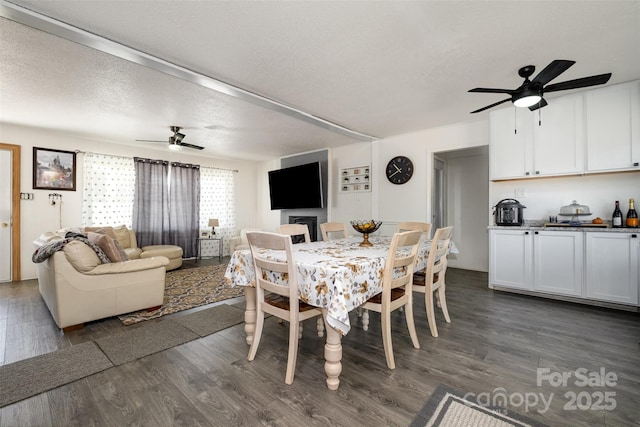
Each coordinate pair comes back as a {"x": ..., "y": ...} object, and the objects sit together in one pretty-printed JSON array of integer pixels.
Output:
[
  {"x": 184, "y": 144},
  {"x": 540, "y": 104},
  {"x": 552, "y": 71},
  {"x": 486, "y": 90},
  {"x": 149, "y": 140},
  {"x": 600, "y": 79},
  {"x": 491, "y": 106}
]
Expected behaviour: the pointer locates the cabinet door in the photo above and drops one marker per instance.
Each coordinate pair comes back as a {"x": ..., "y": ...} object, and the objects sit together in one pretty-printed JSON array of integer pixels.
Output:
[
  {"x": 558, "y": 137},
  {"x": 510, "y": 259},
  {"x": 509, "y": 141},
  {"x": 612, "y": 267},
  {"x": 558, "y": 262},
  {"x": 613, "y": 127}
]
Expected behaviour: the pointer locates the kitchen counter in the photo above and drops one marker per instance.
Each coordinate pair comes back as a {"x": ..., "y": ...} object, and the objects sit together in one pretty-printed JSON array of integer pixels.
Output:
[{"x": 540, "y": 226}]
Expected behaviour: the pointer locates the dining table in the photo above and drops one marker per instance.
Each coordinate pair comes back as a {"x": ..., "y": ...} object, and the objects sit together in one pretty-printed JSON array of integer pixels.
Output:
[{"x": 337, "y": 275}]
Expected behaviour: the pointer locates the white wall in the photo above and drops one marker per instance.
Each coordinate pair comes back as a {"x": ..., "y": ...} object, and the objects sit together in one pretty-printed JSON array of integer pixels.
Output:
[
  {"x": 545, "y": 196},
  {"x": 38, "y": 216}
]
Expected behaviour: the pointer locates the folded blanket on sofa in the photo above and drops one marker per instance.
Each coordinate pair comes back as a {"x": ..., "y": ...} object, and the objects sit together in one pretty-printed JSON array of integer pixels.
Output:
[{"x": 46, "y": 250}]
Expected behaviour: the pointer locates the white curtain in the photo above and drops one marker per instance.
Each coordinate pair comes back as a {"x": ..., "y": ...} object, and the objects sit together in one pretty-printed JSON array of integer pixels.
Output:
[
  {"x": 108, "y": 190},
  {"x": 217, "y": 200}
]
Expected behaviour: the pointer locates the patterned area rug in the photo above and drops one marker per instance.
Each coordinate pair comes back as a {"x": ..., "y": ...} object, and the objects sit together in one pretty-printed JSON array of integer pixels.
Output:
[{"x": 188, "y": 288}]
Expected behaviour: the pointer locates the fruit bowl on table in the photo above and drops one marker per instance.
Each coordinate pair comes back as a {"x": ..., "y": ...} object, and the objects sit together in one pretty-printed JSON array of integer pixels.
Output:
[{"x": 366, "y": 227}]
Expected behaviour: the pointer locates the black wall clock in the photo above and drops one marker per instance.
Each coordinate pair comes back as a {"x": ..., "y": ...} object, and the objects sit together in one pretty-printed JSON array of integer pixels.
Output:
[{"x": 399, "y": 170}]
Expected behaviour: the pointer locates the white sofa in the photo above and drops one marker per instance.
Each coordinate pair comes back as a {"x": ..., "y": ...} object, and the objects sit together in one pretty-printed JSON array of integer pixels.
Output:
[
  {"x": 240, "y": 242},
  {"x": 78, "y": 288}
]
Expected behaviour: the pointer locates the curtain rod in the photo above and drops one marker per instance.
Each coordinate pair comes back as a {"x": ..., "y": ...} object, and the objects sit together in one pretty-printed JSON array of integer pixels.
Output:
[{"x": 131, "y": 158}]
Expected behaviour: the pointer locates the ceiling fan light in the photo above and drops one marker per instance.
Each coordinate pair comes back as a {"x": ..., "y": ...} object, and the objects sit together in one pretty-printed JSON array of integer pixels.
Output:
[
  {"x": 527, "y": 99},
  {"x": 174, "y": 147}
]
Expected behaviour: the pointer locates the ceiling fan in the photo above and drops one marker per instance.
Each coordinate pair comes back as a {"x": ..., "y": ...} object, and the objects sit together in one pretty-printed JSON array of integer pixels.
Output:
[
  {"x": 530, "y": 93},
  {"x": 175, "y": 141}
]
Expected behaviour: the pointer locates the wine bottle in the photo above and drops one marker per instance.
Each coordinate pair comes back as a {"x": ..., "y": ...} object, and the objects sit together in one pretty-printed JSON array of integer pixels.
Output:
[
  {"x": 632, "y": 215},
  {"x": 616, "y": 220}
]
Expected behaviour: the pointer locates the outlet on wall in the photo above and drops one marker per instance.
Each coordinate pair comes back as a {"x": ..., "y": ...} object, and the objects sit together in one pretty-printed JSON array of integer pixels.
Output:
[{"x": 520, "y": 192}]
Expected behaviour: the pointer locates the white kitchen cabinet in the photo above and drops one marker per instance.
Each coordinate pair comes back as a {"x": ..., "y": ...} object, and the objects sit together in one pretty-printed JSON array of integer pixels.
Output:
[
  {"x": 510, "y": 134},
  {"x": 613, "y": 127},
  {"x": 558, "y": 262},
  {"x": 612, "y": 263},
  {"x": 510, "y": 259},
  {"x": 549, "y": 142},
  {"x": 558, "y": 137}
]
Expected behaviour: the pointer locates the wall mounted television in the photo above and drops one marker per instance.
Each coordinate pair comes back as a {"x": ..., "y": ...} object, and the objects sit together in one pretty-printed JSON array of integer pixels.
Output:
[{"x": 296, "y": 187}]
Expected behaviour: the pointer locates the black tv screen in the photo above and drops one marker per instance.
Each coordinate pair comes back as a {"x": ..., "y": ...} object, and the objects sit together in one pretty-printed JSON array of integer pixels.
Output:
[{"x": 297, "y": 187}]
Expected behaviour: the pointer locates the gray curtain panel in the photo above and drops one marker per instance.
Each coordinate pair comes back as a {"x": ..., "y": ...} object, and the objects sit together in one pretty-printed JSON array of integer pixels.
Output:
[
  {"x": 151, "y": 202},
  {"x": 184, "y": 207}
]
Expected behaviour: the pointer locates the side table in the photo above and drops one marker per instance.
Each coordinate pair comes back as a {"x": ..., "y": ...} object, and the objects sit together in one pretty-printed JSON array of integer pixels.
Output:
[{"x": 220, "y": 244}]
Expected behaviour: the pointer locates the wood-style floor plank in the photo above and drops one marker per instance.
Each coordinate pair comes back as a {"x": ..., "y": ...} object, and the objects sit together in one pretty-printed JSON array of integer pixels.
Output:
[{"x": 496, "y": 341}]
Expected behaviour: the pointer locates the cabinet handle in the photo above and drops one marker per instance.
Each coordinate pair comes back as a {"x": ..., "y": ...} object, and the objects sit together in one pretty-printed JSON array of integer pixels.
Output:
[
  {"x": 536, "y": 232},
  {"x": 526, "y": 233},
  {"x": 537, "y": 172},
  {"x": 633, "y": 236},
  {"x": 526, "y": 173},
  {"x": 636, "y": 164}
]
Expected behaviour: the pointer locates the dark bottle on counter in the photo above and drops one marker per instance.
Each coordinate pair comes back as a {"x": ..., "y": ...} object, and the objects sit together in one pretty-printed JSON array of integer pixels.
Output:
[
  {"x": 616, "y": 220},
  {"x": 632, "y": 216}
]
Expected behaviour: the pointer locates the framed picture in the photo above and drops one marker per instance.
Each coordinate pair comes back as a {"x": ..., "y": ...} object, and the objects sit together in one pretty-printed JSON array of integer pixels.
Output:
[
  {"x": 205, "y": 234},
  {"x": 54, "y": 169}
]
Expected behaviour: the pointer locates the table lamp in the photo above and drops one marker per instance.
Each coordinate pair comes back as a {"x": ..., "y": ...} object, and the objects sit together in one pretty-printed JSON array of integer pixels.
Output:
[{"x": 213, "y": 223}]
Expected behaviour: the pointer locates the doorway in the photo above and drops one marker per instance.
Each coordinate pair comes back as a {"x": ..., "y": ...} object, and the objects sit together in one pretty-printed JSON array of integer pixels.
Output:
[
  {"x": 439, "y": 204},
  {"x": 9, "y": 213}
]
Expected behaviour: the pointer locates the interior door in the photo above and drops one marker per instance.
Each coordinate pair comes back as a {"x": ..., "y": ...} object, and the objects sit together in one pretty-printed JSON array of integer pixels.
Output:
[
  {"x": 5, "y": 215},
  {"x": 439, "y": 187}
]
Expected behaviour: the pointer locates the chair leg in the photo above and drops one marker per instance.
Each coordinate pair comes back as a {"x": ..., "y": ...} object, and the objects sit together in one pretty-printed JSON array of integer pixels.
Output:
[
  {"x": 411, "y": 325},
  {"x": 256, "y": 336},
  {"x": 431, "y": 318},
  {"x": 293, "y": 352},
  {"x": 443, "y": 303},
  {"x": 320, "y": 326},
  {"x": 300, "y": 331},
  {"x": 365, "y": 320},
  {"x": 386, "y": 338}
]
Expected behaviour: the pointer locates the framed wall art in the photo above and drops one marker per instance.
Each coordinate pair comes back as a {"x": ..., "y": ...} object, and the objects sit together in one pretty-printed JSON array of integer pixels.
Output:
[{"x": 54, "y": 169}]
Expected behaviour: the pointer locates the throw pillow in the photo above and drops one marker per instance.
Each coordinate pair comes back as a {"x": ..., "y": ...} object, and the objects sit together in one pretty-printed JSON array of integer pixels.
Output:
[
  {"x": 122, "y": 235},
  {"x": 81, "y": 256},
  {"x": 102, "y": 230},
  {"x": 111, "y": 247}
]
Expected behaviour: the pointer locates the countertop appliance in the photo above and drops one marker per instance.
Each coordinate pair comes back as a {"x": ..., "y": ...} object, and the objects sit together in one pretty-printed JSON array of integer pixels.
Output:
[{"x": 508, "y": 212}]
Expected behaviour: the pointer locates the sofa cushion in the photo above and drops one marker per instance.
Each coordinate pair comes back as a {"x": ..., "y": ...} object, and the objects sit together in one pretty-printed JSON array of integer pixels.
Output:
[
  {"x": 110, "y": 246},
  {"x": 122, "y": 235},
  {"x": 102, "y": 230},
  {"x": 81, "y": 256}
]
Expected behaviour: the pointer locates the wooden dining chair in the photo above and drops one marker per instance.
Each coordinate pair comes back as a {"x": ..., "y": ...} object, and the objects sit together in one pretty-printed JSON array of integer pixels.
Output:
[
  {"x": 397, "y": 280},
  {"x": 425, "y": 227},
  {"x": 280, "y": 299},
  {"x": 333, "y": 228},
  {"x": 295, "y": 230},
  {"x": 431, "y": 279}
]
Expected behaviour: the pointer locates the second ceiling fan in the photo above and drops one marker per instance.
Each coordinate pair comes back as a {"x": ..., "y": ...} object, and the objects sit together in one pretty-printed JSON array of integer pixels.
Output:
[
  {"x": 530, "y": 93},
  {"x": 176, "y": 140}
]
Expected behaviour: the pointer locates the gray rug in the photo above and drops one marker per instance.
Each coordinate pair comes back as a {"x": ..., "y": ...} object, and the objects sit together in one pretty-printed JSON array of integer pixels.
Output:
[
  {"x": 38, "y": 374},
  {"x": 131, "y": 345},
  {"x": 207, "y": 322},
  {"x": 450, "y": 407}
]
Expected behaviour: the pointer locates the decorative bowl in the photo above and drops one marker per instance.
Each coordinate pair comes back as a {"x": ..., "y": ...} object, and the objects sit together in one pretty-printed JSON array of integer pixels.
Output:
[{"x": 366, "y": 227}]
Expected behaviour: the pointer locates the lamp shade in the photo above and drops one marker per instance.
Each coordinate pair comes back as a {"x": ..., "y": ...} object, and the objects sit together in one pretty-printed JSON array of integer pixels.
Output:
[
  {"x": 213, "y": 222},
  {"x": 527, "y": 98}
]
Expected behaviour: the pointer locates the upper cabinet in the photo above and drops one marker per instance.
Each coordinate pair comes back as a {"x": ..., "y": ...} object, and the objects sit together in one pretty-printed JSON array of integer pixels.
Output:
[
  {"x": 592, "y": 131},
  {"x": 613, "y": 127},
  {"x": 542, "y": 143}
]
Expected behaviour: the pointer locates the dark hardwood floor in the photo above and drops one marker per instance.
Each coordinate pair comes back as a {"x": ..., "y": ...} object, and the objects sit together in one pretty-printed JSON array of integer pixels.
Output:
[{"x": 495, "y": 346}]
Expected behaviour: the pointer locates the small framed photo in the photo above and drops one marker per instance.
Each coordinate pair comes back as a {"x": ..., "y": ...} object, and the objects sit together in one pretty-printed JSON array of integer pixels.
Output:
[
  {"x": 205, "y": 234},
  {"x": 54, "y": 169}
]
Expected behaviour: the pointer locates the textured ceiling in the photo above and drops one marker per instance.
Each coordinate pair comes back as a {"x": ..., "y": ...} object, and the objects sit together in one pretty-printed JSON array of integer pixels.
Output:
[{"x": 378, "y": 68}]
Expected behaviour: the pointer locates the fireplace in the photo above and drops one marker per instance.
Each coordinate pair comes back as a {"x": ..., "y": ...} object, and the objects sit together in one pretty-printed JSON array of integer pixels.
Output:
[{"x": 312, "y": 223}]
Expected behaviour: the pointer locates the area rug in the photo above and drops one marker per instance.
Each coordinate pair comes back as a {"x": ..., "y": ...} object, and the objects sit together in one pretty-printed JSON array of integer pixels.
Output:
[
  {"x": 189, "y": 288},
  {"x": 36, "y": 375},
  {"x": 450, "y": 407},
  {"x": 209, "y": 321},
  {"x": 29, "y": 377}
]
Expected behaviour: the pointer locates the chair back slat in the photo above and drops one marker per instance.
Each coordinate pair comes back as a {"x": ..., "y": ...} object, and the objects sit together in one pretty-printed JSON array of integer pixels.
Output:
[
  {"x": 267, "y": 269},
  {"x": 295, "y": 230},
  {"x": 425, "y": 227},
  {"x": 329, "y": 229}
]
